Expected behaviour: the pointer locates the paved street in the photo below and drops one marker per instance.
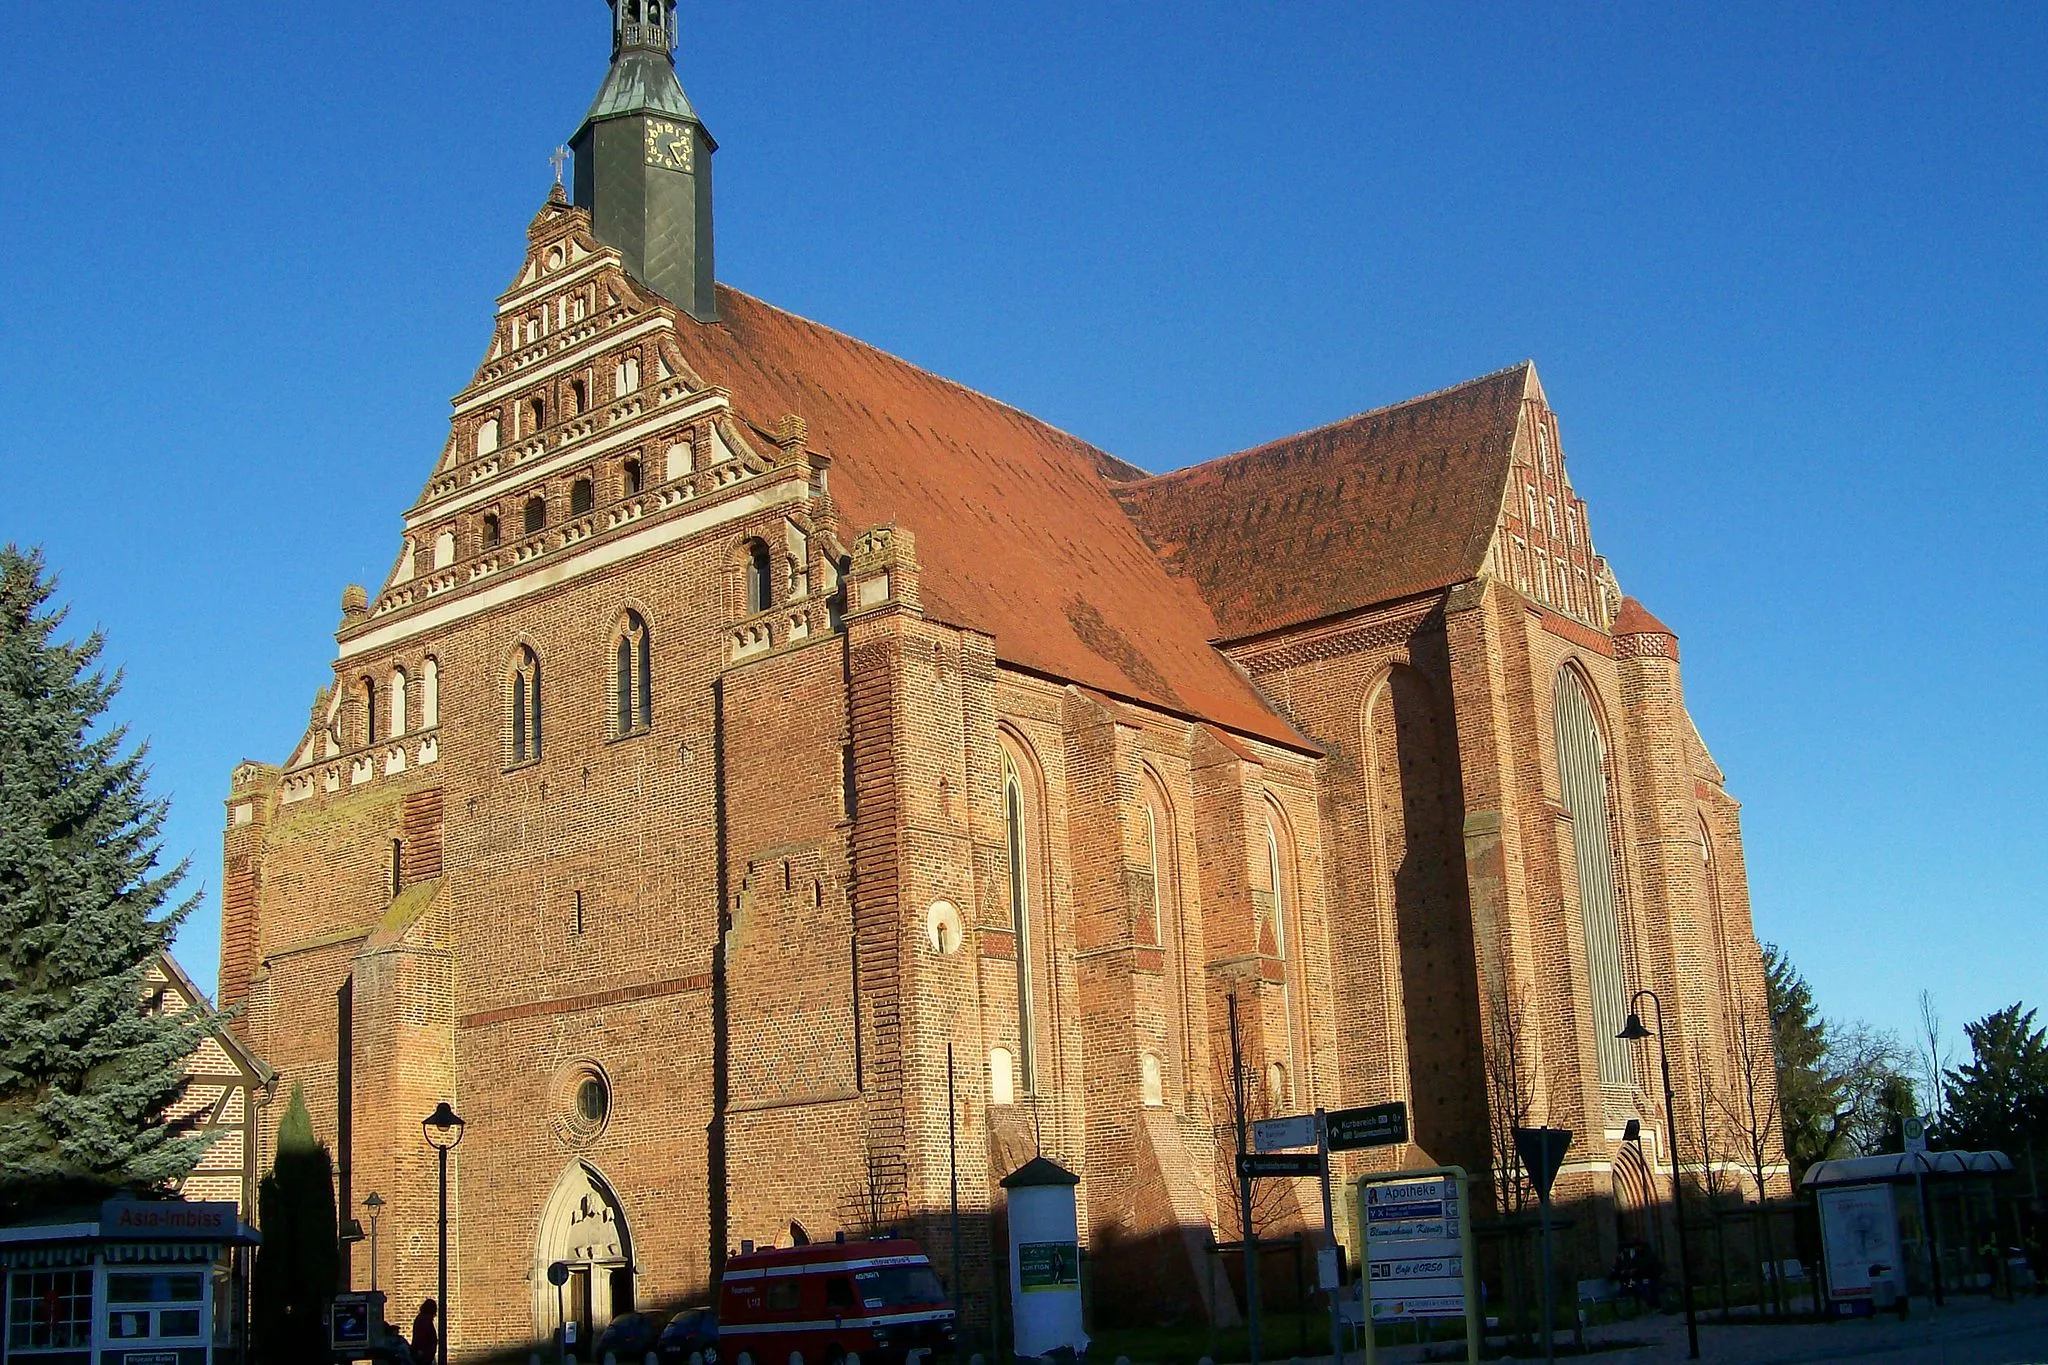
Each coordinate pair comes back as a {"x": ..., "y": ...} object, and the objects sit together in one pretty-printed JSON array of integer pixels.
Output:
[{"x": 1967, "y": 1332}]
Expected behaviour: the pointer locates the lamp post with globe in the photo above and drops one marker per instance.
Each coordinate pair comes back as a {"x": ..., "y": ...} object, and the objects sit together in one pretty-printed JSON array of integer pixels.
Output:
[
  {"x": 1633, "y": 1031},
  {"x": 443, "y": 1128}
]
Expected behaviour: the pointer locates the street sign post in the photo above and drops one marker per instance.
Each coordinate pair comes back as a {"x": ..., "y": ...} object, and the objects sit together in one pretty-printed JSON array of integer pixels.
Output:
[
  {"x": 1255, "y": 1165},
  {"x": 1913, "y": 1129},
  {"x": 1542, "y": 1151},
  {"x": 1277, "y": 1135},
  {"x": 1418, "y": 1252},
  {"x": 1375, "y": 1125}
]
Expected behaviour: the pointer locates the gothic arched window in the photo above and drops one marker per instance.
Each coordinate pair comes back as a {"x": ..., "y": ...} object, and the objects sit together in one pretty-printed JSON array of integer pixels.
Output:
[
  {"x": 1282, "y": 875},
  {"x": 430, "y": 694},
  {"x": 632, "y": 478},
  {"x": 580, "y": 497},
  {"x": 369, "y": 700},
  {"x": 523, "y": 709},
  {"x": 1014, "y": 814},
  {"x": 760, "y": 578},
  {"x": 492, "y": 532},
  {"x": 1165, "y": 917},
  {"x": 398, "y": 700},
  {"x": 536, "y": 515},
  {"x": 1582, "y": 774},
  {"x": 633, "y": 677}
]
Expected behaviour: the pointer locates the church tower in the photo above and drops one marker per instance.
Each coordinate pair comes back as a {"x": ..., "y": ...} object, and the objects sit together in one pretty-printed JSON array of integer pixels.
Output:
[{"x": 643, "y": 162}]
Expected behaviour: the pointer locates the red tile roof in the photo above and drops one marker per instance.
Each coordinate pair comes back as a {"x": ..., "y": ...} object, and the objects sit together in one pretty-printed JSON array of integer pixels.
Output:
[
  {"x": 1390, "y": 503},
  {"x": 1018, "y": 532},
  {"x": 1634, "y": 619}
]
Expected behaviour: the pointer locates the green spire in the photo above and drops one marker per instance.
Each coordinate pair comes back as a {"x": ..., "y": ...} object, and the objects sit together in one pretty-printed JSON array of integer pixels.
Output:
[{"x": 643, "y": 162}]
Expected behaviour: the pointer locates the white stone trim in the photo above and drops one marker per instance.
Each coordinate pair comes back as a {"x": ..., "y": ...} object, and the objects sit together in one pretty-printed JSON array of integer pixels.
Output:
[
  {"x": 567, "y": 360},
  {"x": 698, "y": 404},
  {"x": 547, "y": 284},
  {"x": 790, "y": 488}
]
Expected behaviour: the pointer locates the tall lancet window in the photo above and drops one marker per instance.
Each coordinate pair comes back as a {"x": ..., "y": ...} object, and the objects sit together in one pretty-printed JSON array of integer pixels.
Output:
[
  {"x": 1280, "y": 875},
  {"x": 523, "y": 706},
  {"x": 1020, "y": 919},
  {"x": 1166, "y": 919},
  {"x": 1582, "y": 773},
  {"x": 1152, "y": 915},
  {"x": 633, "y": 678},
  {"x": 430, "y": 694},
  {"x": 398, "y": 702},
  {"x": 371, "y": 728}
]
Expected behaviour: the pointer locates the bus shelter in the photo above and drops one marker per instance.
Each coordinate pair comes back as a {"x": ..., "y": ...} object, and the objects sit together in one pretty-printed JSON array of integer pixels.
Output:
[
  {"x": 1906, "y": 1223},
  {"x": 127, "y": 1282}
]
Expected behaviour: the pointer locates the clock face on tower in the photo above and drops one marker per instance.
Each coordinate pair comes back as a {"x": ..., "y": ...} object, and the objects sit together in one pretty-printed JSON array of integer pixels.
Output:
[{"x": 668, "y": 145}]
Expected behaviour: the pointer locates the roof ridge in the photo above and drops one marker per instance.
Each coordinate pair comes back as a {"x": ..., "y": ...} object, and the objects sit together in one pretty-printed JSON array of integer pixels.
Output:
[
  {"x": 916, "y": 368},
  {"x": 1293, "y": 436}
]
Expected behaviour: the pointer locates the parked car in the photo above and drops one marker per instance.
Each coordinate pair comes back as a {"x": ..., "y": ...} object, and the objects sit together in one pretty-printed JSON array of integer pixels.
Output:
[
  {"x": 629, "y": 1336},
  {"x": 691, "y": 1338},
  {"x": 827, "y": 1303}
]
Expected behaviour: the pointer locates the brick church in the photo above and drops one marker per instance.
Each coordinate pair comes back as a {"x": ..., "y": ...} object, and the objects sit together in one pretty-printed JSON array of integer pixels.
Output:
[{"x": 754, "y": 725}]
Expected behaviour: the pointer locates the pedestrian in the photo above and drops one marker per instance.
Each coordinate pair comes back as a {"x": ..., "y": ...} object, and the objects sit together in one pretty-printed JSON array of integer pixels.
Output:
[{"x": 426, "y": 1341}]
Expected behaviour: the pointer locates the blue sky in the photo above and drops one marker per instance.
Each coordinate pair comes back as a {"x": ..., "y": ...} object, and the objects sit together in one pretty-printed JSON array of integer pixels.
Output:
[{"x": 1781, "y": 268}]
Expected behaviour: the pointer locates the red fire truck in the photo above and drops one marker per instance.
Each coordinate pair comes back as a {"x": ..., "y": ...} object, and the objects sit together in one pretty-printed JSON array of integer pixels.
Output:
[{"x": 872, "y": 1302}]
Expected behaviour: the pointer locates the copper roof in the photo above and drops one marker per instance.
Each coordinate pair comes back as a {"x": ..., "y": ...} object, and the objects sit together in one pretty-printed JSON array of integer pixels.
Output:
[
  {"x": 1391, "y": 503},
  {"x": 1018, "y": 532}
]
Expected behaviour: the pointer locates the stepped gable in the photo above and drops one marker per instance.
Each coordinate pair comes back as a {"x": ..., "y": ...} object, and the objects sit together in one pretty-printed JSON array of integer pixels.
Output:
[
  {"x": 1018, "y": 532},
  {"x": 1393, "y": 502}
]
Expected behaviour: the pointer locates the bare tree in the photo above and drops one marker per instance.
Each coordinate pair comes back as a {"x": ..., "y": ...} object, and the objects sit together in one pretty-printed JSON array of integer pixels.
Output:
[
  {"x": 1871, "y": 1070},
  {"x": 1713, "y": 1128},
  {"x": 1934, "y": 1059},
  {"x": 1751, "y": 1108},
  {"x": 1510, "y": 1085}
]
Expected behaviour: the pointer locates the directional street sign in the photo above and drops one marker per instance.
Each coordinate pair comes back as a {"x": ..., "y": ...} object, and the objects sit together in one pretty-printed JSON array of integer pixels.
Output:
[
  {"x": 1376, "y": 1125},
  {"x": 1277, "y": 1135},
  {"x": 1252, "y": 1165}
]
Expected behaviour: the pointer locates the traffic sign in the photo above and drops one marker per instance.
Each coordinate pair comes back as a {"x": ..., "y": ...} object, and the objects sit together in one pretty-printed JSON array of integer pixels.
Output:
[
  {"x": 1277, "y": 1135},
  {"x": 1913, "y": 1129},
  {"x": 1375, "y": 1125},
  {"x": 1542, "y": 1151},
  {"x": 1252, "y": 1165}
]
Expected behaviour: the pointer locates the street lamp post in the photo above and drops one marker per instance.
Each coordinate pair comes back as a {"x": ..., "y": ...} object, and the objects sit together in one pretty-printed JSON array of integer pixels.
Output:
[
  {"x": 375, "y": 1205},
  {"x": 444, "y": 1129},
  {"x": 1633, "y": 1031}
]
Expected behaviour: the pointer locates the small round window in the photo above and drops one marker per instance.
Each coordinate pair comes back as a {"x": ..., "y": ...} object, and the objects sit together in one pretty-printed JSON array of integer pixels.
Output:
[
  {"x": 593, "y": 1100},
  {"x": 582, "y": 1103}
]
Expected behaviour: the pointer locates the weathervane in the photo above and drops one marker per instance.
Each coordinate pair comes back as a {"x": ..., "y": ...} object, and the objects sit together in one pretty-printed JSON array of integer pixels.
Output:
[{"x": 561, "y": 155}]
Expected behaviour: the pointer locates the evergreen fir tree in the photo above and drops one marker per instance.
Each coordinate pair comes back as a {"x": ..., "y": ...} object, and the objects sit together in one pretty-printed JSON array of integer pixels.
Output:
[
  {"x": 299, "y": 1263},
  {"x": 85, "y": 1074},
  {"x": 1998, "y": 1100},
  {"x": 1806, "y": 1093}
]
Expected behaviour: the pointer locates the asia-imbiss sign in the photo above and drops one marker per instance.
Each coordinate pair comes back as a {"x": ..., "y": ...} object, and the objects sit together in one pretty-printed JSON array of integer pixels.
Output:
[{"x": 170, "y": 1218}]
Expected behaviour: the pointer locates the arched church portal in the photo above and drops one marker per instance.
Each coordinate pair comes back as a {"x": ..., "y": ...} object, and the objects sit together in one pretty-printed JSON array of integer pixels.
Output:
[
  {"x": 1634, "y": 1198},
  {"x": 582, "y": 1226}
]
